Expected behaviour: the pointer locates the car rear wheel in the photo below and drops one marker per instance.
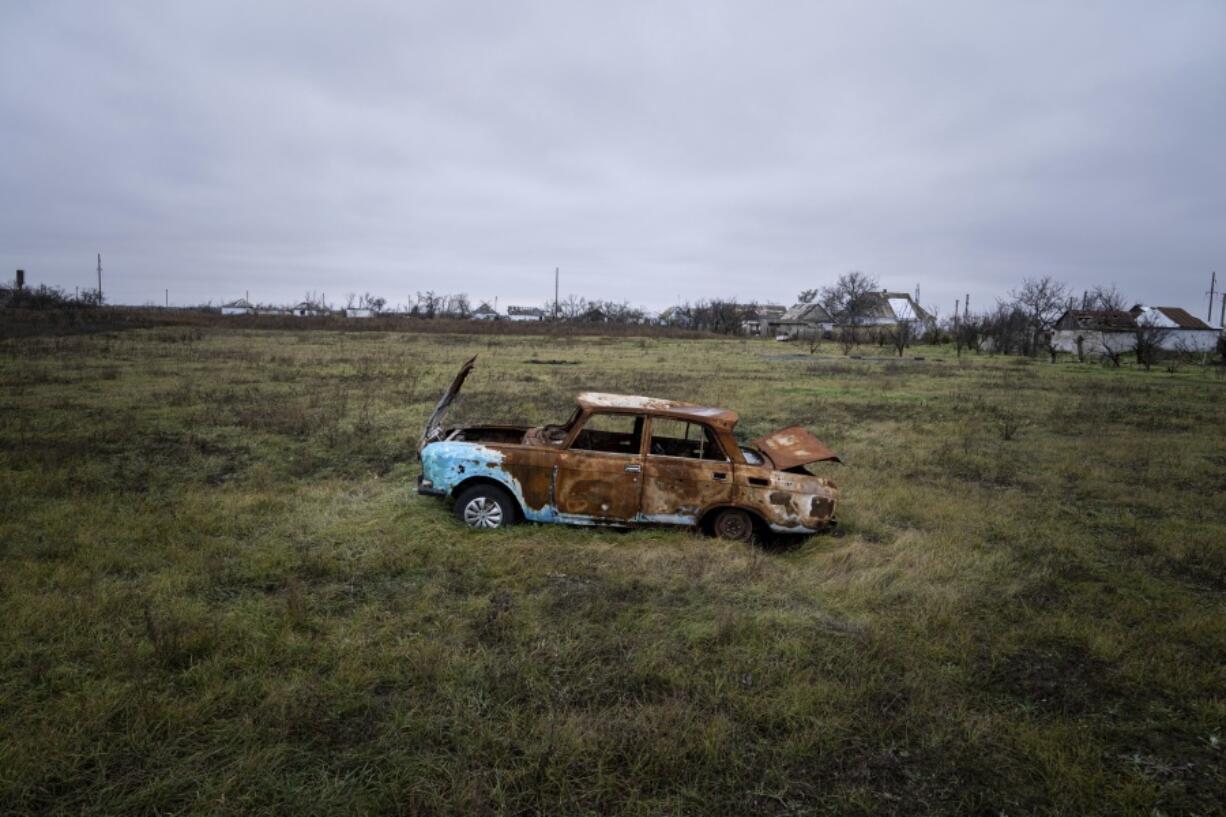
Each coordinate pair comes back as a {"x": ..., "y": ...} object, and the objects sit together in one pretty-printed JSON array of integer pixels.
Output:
[
  {"x": 733, "y": 524},
  {"x": 485, "y": 507}
]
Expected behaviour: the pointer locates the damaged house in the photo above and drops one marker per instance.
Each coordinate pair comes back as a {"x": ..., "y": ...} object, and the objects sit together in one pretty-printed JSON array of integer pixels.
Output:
[
  {"x": 760, "y": 317},
  {"x": 1094, "y": 332},
  {"x": 1179, "y": 331},
  {"x": 802, "y": 321}
]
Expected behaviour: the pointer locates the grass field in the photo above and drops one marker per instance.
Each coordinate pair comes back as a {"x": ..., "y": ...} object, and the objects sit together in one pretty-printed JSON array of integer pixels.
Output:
[{"x": 219, "y": 593}]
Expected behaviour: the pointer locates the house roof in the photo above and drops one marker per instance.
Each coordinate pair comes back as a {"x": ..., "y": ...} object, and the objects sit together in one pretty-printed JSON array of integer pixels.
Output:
[
  {"x": 524, "y": 310},
  {"x": 895, "y": 306},
  {"x": 1169, "y": 317},
  {"x": 633, "y": 403},
  {"x": 241, "y": 303},
  {"x": 1098, "y": 320},
  {"x": 806, "y": 313}
]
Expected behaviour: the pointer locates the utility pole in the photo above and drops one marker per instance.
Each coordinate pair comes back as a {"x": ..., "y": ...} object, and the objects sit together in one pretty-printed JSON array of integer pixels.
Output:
[
  {"x": 100, "y": 279},
  {"x": 1221, "y": 313},
  {"x": 168, "y": 299},
  {"x": 555, "y": 293},
  {"x": 1212, "y": 292},
  {"x": 966, "y": 308}
]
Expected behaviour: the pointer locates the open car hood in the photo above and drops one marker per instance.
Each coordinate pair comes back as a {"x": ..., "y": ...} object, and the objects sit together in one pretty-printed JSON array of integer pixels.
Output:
[
  {"x": 434, "y": 426},
  {"x": 793, "y": 446}
]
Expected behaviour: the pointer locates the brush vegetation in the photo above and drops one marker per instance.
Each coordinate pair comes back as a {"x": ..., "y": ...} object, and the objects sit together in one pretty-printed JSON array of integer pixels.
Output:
[{"x": 219, "y": 592}]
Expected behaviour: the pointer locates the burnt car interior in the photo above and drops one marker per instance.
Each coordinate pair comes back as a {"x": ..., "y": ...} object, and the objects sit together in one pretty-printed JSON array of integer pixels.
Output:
[
  {"x": 611, "y": 434},
  {"x": 677, "y": 438}
]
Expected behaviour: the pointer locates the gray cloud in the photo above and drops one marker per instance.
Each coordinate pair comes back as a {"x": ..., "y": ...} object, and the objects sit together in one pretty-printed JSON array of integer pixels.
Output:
[{"x": 649, "y": 150}]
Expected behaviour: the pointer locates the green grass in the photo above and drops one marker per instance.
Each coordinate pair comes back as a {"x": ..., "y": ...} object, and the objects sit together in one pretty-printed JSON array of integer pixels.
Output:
[{"x": 219, "y": 593}]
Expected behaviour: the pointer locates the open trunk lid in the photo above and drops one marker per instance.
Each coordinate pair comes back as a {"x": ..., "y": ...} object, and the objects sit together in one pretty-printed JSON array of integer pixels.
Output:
[
  {"x": 793, "y": 446},
  {"x": 434, "y": 426}
]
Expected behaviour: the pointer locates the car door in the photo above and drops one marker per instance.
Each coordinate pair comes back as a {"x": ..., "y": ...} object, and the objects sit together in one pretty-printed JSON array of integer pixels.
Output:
[
  {"x": 686, "y": 471},
  {"x": 600, "y": 473}
]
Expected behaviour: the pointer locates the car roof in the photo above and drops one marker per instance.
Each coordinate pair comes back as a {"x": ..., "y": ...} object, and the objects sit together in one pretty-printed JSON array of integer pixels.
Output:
[{"x": 658, "y": 406}]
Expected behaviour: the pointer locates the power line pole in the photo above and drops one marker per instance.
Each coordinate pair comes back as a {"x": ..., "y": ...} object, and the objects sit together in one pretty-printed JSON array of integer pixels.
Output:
[
  {"x": 1212, "y": 292},
  {"x": 168, "y": 299},
  {"x": 99, "y": 278},
  {"x": 555, "y": 293}
]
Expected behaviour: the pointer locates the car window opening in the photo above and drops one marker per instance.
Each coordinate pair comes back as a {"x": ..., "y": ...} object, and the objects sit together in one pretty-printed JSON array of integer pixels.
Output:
[
  {"x": 679, "y": 438},
  {"x": 610, "y": 434}
]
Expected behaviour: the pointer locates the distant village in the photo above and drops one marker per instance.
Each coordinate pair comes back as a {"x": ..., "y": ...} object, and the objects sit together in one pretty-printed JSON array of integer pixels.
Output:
[{"x": 1042, "y": 316}]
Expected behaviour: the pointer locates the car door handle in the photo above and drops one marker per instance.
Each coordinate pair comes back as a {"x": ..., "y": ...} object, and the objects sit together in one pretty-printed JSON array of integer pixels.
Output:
[
  {"x": 719, "y": 475},
  {"x": 633, "y": 469}
]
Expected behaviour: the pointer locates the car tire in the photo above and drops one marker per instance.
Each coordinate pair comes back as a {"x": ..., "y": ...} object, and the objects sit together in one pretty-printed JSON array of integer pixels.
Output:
[
  {"x": 734, "y": 525},
  {"x": 485, "y": 507}
]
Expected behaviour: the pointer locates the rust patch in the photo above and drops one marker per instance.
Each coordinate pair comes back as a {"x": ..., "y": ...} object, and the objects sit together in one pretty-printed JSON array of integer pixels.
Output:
[{"x": 821, "y": 507}]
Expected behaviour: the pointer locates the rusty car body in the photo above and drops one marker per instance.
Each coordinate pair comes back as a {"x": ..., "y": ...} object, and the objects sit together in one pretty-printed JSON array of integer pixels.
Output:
[{"x": 628, "y": 461}]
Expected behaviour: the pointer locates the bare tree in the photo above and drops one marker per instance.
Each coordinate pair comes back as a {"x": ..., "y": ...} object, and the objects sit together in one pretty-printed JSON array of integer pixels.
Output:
[
  {"x": 807, "y": 296},
  {"x": 1106, "y": 299},
  {"x": 1042, "y": 301},
  {"x": 848, "y": 302},
  {"x": 428, "y": 304},
  {"x": 902, "y": 333},
  {"x": 454, "y": 306},
  {"x": 1148, "y": 336}
]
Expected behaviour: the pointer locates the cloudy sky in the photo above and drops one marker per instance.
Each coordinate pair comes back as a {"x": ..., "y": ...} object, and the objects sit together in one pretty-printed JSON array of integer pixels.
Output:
[{"x": 650, "y": 150}]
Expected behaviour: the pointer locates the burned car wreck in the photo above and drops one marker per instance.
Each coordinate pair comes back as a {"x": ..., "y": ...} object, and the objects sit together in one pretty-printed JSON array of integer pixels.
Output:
[{"x": 628, "y": 461}]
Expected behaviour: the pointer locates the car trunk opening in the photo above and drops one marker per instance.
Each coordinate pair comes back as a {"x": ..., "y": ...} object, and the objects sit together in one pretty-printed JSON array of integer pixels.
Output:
[{"x": 792, "y": 447}]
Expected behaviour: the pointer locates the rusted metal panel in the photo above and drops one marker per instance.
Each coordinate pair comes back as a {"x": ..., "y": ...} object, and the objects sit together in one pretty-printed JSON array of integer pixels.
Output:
[
  {"x": 677, "y": 488},
  {"x": 720, "y": 418},
  {"x": 793, "y": 446},
  {"x": 434, "y": 426},
  {"x": 788, "y": 502},
  {"x": 598, "y": 484}
]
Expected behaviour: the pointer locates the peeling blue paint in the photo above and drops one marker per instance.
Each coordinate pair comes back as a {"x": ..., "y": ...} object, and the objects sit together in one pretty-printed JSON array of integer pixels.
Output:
[
  {"x": 447, "y": 464},
  {"x": 668, "y": 518}
]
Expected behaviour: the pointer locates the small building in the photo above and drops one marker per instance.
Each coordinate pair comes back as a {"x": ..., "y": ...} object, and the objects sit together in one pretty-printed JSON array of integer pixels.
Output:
[
  {"x": 359, "y": 312},
  {"x": 675, "y": 316},
  {"x": 1094, "y": 332},
  {"x": 801, "y": 321},
  {"x": 760, "y": 316},
  {"x": 1183, "y": 331},
  {"x": 484, "y": 313},
  {"x": 306, "y": 309},
  {"x": 239, "y": 307},
  {"x": 525, "y": 313}
]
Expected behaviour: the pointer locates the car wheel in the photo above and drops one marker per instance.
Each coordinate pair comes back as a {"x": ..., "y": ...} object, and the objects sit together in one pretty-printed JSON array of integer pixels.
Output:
[
  {"x": 734, "y": 524},
  {"x": 485, "y": 507}
]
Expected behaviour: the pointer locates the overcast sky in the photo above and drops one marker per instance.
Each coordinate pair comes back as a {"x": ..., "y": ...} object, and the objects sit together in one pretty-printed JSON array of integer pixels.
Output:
[{"x": 651, "y": 150}]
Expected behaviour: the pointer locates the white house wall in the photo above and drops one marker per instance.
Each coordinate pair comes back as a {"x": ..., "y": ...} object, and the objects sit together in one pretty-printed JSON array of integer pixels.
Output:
[{"x": 1190, "y": 340}]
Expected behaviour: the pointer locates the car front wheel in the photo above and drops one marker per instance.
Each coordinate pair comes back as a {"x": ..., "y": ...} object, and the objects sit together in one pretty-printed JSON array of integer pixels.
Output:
[{"x": 485, "y": 507}]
